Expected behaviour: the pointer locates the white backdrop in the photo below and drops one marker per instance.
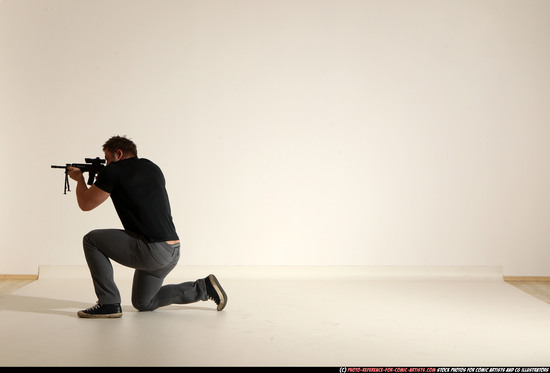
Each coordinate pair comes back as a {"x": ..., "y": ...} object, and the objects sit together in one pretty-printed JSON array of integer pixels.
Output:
[{"x": 290, "y": 131}]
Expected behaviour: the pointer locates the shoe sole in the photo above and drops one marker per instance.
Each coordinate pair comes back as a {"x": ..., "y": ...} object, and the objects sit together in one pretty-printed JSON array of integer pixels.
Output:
[
  {"x": 85, "y": 315},
  {"x": 219, "y": 290}
]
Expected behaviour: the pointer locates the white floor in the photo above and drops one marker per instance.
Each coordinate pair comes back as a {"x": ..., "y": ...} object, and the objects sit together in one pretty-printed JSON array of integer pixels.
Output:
[{"x": 286, "y": 316}]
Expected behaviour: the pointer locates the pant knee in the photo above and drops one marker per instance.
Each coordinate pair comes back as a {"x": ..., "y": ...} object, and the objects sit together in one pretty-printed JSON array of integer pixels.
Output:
[
  {"x": 88, "y": 238},
  {"x": 141, "y": 305}
]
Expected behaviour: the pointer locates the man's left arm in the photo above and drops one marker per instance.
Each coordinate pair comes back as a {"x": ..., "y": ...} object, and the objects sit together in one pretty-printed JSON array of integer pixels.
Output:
[{"x": 87, "y": 198}]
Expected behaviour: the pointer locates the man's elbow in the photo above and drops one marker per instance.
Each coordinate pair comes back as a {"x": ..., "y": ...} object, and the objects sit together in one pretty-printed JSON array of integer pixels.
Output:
[
  {"x": 86, "y": 206},
  {"x": 89, "y": 199}
]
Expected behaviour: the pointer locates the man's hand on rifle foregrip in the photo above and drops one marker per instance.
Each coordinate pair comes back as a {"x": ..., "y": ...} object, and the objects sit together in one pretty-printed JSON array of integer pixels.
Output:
[{"x": 75, "y": 173}]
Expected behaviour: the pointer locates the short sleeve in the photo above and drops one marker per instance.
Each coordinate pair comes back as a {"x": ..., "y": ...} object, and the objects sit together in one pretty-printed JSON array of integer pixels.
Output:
[{"x": 107, "y": 178}]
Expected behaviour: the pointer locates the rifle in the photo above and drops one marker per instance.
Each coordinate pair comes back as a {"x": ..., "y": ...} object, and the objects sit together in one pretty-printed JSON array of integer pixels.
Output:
[{"x": 92, "y": 165}]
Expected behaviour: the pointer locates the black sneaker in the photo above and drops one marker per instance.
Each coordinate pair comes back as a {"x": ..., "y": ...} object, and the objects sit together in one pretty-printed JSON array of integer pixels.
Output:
[
  {"x": 215, "y": 292},
  {"x": 102, "y": 311}
]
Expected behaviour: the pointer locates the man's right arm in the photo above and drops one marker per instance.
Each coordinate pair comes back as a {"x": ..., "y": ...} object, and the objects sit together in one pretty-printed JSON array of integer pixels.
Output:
[{"x": 87, "y": 198}]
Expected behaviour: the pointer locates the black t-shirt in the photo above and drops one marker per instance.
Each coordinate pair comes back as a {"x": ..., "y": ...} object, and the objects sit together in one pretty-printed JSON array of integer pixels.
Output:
[{"x": 138, "y": 192}]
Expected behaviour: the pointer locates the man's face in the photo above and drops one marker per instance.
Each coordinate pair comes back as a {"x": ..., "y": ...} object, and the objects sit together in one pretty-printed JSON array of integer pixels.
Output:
[{"x": 110, "y": 157}]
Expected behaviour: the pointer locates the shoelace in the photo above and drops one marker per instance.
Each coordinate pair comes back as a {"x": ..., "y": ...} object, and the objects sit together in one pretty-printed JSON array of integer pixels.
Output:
[
  {"x": 217, "y": 301},
  {"x": 97, "y": 306}
]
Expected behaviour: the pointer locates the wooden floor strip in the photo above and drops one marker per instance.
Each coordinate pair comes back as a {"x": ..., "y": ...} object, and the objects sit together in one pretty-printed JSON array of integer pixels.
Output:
[{"x": 526, "y": 279}]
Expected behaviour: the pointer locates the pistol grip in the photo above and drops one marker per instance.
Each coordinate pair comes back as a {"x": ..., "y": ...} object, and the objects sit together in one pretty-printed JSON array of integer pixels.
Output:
[{"x": 91, "y": 177}]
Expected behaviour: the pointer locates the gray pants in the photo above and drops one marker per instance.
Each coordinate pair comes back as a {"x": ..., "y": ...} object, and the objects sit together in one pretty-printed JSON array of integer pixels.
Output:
[{"x": 152, "y": 262}]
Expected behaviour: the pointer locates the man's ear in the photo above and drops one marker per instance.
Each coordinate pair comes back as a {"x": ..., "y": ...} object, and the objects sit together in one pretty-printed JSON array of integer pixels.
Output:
[{"x": 118, "y": 155}]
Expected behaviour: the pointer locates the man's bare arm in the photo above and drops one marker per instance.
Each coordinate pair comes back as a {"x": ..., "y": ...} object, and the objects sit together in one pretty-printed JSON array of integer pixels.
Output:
[{"x": 87, "y": 198}]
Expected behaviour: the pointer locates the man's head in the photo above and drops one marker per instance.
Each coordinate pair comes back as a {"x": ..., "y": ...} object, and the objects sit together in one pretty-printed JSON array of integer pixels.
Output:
[{"x": 119, "y": 147}]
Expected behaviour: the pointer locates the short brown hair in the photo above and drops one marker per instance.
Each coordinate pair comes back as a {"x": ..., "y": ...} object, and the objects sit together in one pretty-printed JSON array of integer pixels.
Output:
[{"x": 120, "y": 142}]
